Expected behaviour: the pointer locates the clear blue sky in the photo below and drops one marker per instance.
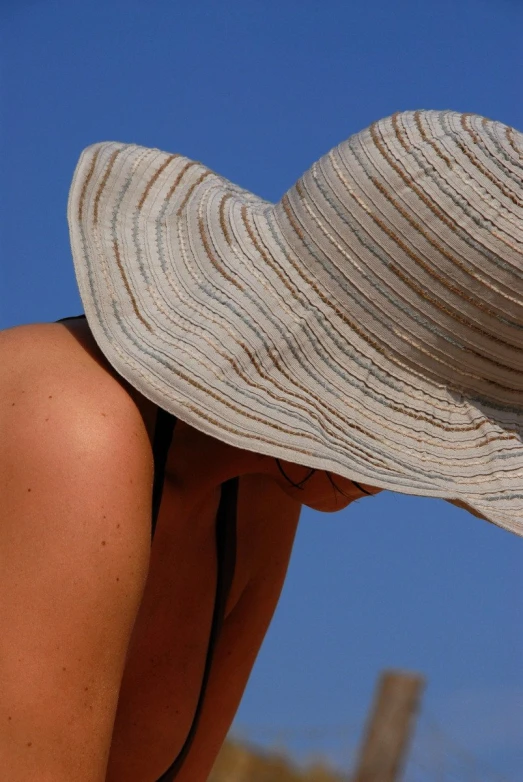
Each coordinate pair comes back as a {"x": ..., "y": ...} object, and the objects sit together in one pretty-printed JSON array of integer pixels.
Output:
[{"x": 258, "y": 91}]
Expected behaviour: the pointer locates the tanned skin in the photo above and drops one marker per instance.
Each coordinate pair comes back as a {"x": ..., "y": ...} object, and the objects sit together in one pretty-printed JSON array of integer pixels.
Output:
[{"x": 103, "y": 639}]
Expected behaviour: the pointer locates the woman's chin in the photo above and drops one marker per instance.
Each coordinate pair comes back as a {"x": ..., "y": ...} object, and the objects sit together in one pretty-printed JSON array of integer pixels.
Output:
[{"x": 329, "y": 505}]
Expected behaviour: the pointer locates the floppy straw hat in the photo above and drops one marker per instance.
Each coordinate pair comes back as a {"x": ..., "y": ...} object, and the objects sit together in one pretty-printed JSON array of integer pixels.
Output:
[{"x": 370, "y": 323}]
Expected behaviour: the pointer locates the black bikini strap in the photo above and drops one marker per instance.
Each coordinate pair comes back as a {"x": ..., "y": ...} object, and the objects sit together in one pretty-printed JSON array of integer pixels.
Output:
[
  {"x": 163, "y": 435},
  {"x": 226, "y": 555},
  {"x": 70, "y": 317},
  {"x": 226, "y": 560}
]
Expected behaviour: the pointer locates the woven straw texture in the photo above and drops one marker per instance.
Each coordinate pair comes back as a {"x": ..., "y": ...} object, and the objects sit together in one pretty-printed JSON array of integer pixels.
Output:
[{"x": 370, "y": 323}]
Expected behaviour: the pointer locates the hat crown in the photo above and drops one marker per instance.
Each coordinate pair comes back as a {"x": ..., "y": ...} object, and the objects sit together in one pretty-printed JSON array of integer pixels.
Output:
[{"x": 414, "y": 229}]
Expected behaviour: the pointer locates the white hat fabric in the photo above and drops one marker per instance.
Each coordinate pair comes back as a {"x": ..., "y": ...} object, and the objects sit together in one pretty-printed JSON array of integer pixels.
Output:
[{"x": 370, "y": 323}]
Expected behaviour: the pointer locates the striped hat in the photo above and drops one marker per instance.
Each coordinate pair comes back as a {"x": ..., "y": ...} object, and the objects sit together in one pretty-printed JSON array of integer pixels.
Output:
[{"x": 370, "y": 323}]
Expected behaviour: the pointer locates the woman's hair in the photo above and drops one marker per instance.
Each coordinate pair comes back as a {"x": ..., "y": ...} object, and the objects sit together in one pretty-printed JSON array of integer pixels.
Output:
[{"x": 311, "y": 473}]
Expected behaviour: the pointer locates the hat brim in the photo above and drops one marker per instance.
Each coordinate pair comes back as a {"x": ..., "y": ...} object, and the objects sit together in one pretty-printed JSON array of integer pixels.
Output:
[{"x": 196, "y": 299}]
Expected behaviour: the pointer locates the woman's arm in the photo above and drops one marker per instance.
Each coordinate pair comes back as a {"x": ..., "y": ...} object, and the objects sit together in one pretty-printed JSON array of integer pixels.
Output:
[{"x": 274, "y": 520}]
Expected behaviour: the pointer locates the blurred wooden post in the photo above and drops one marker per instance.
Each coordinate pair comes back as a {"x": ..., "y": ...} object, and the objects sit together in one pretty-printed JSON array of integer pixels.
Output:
[
  {"x": 390, "y": 727},
  {"x": 242, "y": 768},
  {"x": 235, "y": 763}
]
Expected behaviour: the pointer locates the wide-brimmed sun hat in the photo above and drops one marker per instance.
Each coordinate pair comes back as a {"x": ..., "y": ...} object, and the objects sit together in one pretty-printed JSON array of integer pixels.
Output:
[{"x": 370, "y": 323}]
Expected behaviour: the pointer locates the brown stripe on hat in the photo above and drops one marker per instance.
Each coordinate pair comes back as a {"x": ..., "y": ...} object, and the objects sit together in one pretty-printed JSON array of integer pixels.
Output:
[
  {"x": 214, "y": 258},
  {"x": 128, "y": 287},
  {"x": 267, "y": 257},
  {"x": 425, "y": 137},
  {"x": 153, "y": 179},
  {"x": 103, "y": 183},
  {"x": 86, "y": 184},
  {"x": 467, "y": 128},
  {"x": 255, "y": 438},
  {"x": 509, "y": 132},
  {"x": 223, "y": 223},
  {"x": 179, "y": 177},
  {"x": 191, "y": 190}
]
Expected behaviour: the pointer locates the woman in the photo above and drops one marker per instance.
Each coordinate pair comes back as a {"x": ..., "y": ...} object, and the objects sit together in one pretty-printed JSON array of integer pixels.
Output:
[{"x": 364, "y": 333}]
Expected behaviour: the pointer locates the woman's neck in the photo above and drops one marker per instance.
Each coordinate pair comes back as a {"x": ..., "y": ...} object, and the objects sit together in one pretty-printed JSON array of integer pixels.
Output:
[{"x": 199, "y": 462}]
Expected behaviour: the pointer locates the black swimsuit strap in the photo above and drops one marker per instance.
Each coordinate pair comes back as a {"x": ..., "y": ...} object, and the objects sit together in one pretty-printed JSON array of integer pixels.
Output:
[
  {"x": 226, "y": 559},
  {"x": 226, "y": 551},
  {"x": 163, "y": 435}
]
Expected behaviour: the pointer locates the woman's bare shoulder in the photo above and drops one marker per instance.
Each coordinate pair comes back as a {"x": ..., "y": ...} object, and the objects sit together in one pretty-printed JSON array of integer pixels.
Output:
[
  {"x": 54, "y": 342},
  {"x": 61, "y": 364}
]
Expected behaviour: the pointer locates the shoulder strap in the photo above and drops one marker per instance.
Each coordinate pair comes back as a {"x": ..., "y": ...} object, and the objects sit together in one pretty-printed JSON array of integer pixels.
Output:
[
  {"x": 163, "y": 435},
  {"x": 226, "y": 560},
  {"x": 226, "y": 553},
  {"x": 70, "y": 317}
]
